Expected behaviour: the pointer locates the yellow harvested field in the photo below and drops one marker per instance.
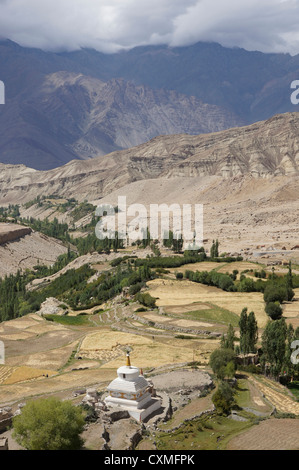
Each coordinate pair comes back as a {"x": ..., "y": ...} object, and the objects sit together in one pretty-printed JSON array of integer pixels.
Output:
[
  {"x": 107, "y": 339},
  {"x": 175, "y": 293},
  {"x": 17, "y": 336},
  {"x": 22, "y": 374},
  {"x": 35, "y": 317},
  {"x": 272, "y": 434},
  {"x": 157, "y": 318},
  {"x": 21, "y": 323},
  {"x": 276, "y": 394},
  {"x": 39, "y": 329},
  {"x": 291, "y": 309},
  {"x": 205, "y": 266},
  {"x": 5, "y": 372},
  {"x": 156, "y": 353},
  {"x": 67, "y": 381},
  {"x": 53, "y": 359},
  {"x": 188, "y": 308},
  {"x": 239, "y": 266}
]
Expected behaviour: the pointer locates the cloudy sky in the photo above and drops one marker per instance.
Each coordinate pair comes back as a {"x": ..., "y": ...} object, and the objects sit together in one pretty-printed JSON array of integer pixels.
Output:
[{"x": 110, "y": 25}]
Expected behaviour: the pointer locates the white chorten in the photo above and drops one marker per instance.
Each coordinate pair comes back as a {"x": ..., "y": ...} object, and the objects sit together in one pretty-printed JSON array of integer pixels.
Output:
[{"x": 130, "y": 391}]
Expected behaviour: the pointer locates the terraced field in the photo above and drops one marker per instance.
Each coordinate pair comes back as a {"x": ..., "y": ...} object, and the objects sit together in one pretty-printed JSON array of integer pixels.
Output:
[
  {"x": 45, "y": 357},
  {"x": 172, "y": 293},
  {"x": 273, "y": 434},
  {"x": 5, "y": 373},
  {"x": 56, "y": 357},
  {"x": 277, "y": 395}
]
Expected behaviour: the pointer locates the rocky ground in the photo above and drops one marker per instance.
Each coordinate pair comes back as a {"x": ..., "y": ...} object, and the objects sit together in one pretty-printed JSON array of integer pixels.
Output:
[
  {"x": 23, "y": 248},
  {"x": 116, "y": 431}
]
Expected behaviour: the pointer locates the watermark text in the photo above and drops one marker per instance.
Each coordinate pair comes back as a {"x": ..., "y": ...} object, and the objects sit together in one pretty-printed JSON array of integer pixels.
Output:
[
  {"x": 295, "y": 94},
  {"x": 295, "y": 354},
  {"x": 135, "y": 222},
  {"x": 2, "y": 93},
  {"x": 2, "y": 353}
]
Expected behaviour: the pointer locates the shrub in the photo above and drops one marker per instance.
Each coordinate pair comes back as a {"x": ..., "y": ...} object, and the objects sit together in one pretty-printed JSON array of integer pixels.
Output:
[
  {"x": 146, "y": 299},
  {"x": 247, "y": 285},
  {"x": 49, "y": 424},
  {"x": 223, "y": 399},
  {"x": 274, "y": 310},
  {"x": 221, "y": 362},
  {"x": 275, "y": 293}
]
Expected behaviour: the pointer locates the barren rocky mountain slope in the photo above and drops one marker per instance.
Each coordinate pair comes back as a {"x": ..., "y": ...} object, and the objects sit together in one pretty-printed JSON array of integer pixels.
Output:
[
  {"x": 265, "y": 149},
  {"x": 247, "y": 178},
  {"x": 22, "y": 248},
  {"x": 97, "y": 117},
  {"x": 70, "y": 115},
  {"x": 61, "y": 106}
]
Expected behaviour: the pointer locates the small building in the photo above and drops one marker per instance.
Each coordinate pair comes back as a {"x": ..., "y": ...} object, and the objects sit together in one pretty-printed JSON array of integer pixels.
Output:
[
  {"x": 3, "y": 443},
  {"x": 132, "y": 392},
  {"x": 247, "y": 359}
]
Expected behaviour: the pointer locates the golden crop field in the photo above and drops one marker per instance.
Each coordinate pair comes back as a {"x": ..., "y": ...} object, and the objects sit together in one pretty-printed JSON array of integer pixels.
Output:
[
  {"x": 24, "y": 373},
  {"x": 179, "y": 293}
]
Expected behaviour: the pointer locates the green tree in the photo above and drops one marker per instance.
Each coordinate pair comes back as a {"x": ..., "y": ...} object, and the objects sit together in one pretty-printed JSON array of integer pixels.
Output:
[
  {"x": 289, "y": 277},
  {"x": 49, "y": 424},
  {"x": 252, "y": 332},
  {"x": 247, "y": 285},
  {"x": 146, "y": 299},
  {"x": 223, "y": 398},
  {"x": 219, "y": 360},
  {"x": 244, "y": 341},
  {"x": 274, "y": 347},
  {"x": 228, "y": 341},
  {"x": 274, "y": 310},
  {"x": 248, "y": 332}
]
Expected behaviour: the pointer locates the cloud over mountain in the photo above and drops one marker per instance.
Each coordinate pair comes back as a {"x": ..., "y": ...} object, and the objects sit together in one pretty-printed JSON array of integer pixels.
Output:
[{"x": 111, "y": 25}]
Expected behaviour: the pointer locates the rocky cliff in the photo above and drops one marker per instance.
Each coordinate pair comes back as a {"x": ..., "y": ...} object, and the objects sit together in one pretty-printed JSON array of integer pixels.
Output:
[
  {"x": 10, "y": 233},
  {"x": 70, "y": 115}
]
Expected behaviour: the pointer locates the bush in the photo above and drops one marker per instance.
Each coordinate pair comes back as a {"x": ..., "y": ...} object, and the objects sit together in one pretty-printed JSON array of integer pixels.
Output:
[
  {"x": 49, "y": 424},
  {"x": 223, "y": 399},
  {"x": 274, "y": 310},
  {"x": 276, "y": 293},
  {"x": 146, "y": 299},
  {"x": 136, "y": 288},
  {"x": 162, "y": 271},
  {"x": 251, "y": 368},
  {"x": 247, "y": 285},
  {"x": 221, "y": 362}
]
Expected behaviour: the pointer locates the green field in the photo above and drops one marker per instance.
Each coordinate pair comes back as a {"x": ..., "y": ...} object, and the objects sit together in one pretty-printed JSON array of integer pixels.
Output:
[
  {"x": 294, "y": 388},
  {"x": 208, "y": 433},
  {"x": 214, "y": 314},
  {"x": 79, "y": 320}
]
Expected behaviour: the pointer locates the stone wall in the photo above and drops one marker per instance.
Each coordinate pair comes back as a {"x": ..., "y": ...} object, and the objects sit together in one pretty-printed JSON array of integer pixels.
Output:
[{"x": 163, "y": 326}]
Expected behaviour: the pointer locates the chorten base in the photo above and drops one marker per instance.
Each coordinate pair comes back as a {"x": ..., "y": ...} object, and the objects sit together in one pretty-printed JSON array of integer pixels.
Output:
[{"x": 140, "y": 414}]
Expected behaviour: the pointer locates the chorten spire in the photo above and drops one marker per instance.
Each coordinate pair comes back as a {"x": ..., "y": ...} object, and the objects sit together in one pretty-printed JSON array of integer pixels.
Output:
[{"x": 128, "y": 360}]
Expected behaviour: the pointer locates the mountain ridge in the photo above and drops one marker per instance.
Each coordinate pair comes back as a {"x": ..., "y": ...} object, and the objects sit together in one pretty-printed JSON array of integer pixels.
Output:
[
  {"x": 264, "y": 150},
  {"x": 149, "y": 91}
]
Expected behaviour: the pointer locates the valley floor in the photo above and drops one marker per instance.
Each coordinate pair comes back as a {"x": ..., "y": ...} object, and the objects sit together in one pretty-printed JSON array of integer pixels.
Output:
[{"x": 76, "y": 351}]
